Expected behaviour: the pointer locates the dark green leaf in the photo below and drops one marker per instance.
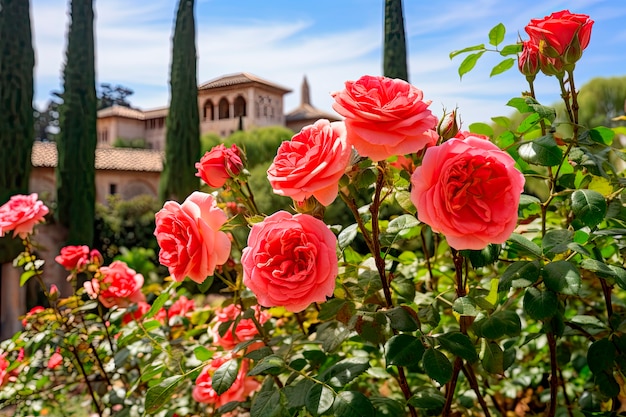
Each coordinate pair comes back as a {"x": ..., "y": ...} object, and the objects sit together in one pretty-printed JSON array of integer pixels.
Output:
[
  {"x": 602, "y": 135},
  {"x": 493, "y": 358},
  {"x": 557, "y": 241},
  {"x": 459, "y": 345},
  {"x": 528, "y": 123},
  {"x": 601, "y": 356},
  {"x": 158, "y": 395},
  {"x": 403, "y": 350},
  {"x": 598, "y": 267},
  {"x": 206, "y": 284},
  {"x": 400, "y": 223},
  {"x": 266, "y": 404},
  {"x": 589, "y": 206},
  {"x": 496, "y": 34},
  {"x": 296, "y": 393},
  {"x": 346, "y": 236},
  {"x": 372, "y": 327},
  {"x": 319, "y": 399},
  {"x": 428, "y": 400},
  {"x": 271, "y": 364},
  {"x": 224, "y": 376},
  {"x": 540, "y": 305},
  {"x": 484, "y": 257},
  {"x": 503, "y": 66},
  {"x": 499, "y": 324},
  {"x": 345, "y": 371},
  {"x": 607, "y": 384},
  {"x": 562, "y": 277},
  {"x": 468, "y": 49},
  {"x": 543, "y": 151},
  {"x": 352, "y": 404},
  {"x": 465, "y": 306},
  {"x": 437, "y": 366},
  {"x": 403, "y": 318},
  {"x": 469, "y": 63},
  {"x": 517, "y": 241},
  {"x": 161, "y": 299},
  {"x": 519, "y": 275}
]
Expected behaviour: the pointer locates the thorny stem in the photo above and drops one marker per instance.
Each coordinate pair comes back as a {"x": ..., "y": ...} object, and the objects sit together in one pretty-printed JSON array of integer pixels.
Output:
[
  {"x": 431, "y": 278},
  {"x": 468, "y": 371},
  {"x": 554, "y": 377}
]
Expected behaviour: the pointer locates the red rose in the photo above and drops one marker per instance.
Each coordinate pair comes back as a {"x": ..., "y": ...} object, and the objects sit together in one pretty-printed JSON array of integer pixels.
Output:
[
  {"x": 55, "y": 360},
  {"x": 528, "y": 61},
  {"x": 469, "y": 191},
  {"x": 20, "y": 214},
  {"x": 33, "y": 311},
  {"x": 245, "y": 330},
  {"x": 385, "y": 117},
  {"x": 290, "y": 261},
  {"x": 243, "y": 386},
  {"x": 311, "y": 163},
  {"x": 117, "y": 285},
  {"x": 562, "y": 35},
  {"x": 219, "y": 164},
  {"x": 73, "y": 257},
  {"x": 190, "y": 238}
]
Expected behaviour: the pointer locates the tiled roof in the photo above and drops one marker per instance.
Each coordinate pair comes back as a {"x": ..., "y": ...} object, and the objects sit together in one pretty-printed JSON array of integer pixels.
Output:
[
  {"x": 308, "y": 112},
  {"x": 117, "y": 159},
  {"x": 121, "y": 111},
  {"x": 238, "y": 79}
]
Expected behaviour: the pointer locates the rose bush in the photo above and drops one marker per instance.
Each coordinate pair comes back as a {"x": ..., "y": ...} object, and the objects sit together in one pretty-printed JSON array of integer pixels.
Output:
[{"x": 116, "y": 285}]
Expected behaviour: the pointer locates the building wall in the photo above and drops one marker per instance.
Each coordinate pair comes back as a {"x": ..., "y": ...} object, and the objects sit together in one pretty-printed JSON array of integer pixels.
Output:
[{"x": 130, "y": 129}]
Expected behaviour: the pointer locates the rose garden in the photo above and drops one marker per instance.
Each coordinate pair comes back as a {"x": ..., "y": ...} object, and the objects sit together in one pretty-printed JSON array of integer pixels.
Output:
[{"x": 481, "y": 273}]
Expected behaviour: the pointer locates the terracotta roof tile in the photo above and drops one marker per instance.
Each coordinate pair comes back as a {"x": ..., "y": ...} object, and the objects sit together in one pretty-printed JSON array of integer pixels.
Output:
[{"x": 240, "y": 78}]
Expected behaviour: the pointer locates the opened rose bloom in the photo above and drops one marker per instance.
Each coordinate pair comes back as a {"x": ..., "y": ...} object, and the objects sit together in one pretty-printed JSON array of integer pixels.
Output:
[
  {"x": 385, "y": 117},
  {"x": 311, "y": 163},
  {"x": 290, "y": 261},
  {"x": 220, "y": 164},
  {"x": 4, "y": 374},
  {"x": 241, "y": 388},
  {"x": 245, "y": 328},
  {"x": 73, "y": 257},
  {"x": 468, "y": 190},
  {"x": 190, "y": 239},
  {"x": 20, "y": 214},
  {"x": 116, "y": 285}
]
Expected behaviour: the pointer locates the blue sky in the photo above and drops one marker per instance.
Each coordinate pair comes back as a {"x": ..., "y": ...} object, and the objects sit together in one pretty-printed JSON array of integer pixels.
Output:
[{"x": 329, "y": 41}]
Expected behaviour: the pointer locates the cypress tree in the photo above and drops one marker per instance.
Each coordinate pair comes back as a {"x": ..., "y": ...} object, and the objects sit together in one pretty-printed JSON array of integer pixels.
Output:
[
  {"x": 76, "y": 190},
  {"x": 394, "y": 53},
  {"x": 17, "y": 61},
  {"x": 182, "y": 140}
]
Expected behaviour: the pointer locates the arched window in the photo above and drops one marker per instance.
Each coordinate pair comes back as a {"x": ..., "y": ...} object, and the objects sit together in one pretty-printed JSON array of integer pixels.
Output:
[
  {"x": 240, "y": 107},
  {"x": 208, "y": 111},
  {"x": 224, "y": 109}
]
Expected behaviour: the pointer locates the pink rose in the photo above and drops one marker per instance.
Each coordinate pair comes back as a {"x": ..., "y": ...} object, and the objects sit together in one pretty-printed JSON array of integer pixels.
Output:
[
  {"x": 469, "y": 191},
  {"x": 562, "y": 35},
  {"x": 290, "y": 261},
  {"x": 20, "y": 214},
  {"x": 220, "y": 164},
  {"x": 190, "y": 238},
  {"x": 73, "y": 257},
  {"x": 4, "y": 374},
  {"x": 180, "y": 308},
  {"x": 385, "y": 117},
  {"x": 311, "y": 163},
  {"x": 55, "y": 360},
  {"x": 117, "y": 285},
  {"x": 245, "y": 330},
  {"x": 243, "y": 386}
]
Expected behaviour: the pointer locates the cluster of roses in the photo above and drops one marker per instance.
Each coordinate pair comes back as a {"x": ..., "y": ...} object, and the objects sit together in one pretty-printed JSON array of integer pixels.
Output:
[{"x": 556, "y": 43}]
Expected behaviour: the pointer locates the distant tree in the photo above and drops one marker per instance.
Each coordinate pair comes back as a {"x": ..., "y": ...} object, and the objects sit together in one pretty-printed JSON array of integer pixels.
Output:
[
  {"x": 17, "y": 60},
  {"x": 394, "y": 50},
  {"x": 47, "y": 122},
  {"x": 601, "y": 100},
  {"x": 76, "y": 145},
  {"x": 182, "y": 139},
  {"x": 109, "y": 95}
]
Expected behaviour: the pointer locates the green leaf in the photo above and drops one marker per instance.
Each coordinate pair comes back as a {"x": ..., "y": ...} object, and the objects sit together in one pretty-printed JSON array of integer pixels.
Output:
[
  {"x": 562, "y": 277},
  {"x": 403, "y": 350},
  {"x": 499, "y": 324},
  {"x": 607, "y": 384},
  {"x": 345, "y": 371},
  {"x": 543, "y": 151},
  {"x": 204, "y": 286},
  {"x": 496, "y": 34},
  {"x": 493, "y": 358},
  {"x": 528, "y": 123},
  {"x": 602, "y": 135},
  {"x": 296, "y": 393},
  {"x": 465, "y": 306},
  {"x": 502, "y": 121},
  {"x": 26, "y": 275},
  {"x": 400, "y": 223},
  {"x": 511, "y": 49},
  {"x": 481, "y": 129},
  {"x": 503, "y": 66},
  {"x": 403, "y": 318},
  {"x": 266, "y": 404},
  {"x": 158, "y": 395},
  {"x": 352, "y": 404},
  {"x": 428, "y": 400},
  {"x": 161, "y": 299},
  {"x": 202, "y": 353},
  {"x": 540, "y": 305},
  {"x": 469, "y": 63},
  {"x": 517, "y": 241},
  {"x": 437, "y": 366},
  {"x": 468, "y": 49},
  {"x": 520, "y": 104},
  {"x": 458, "y": 344},
  {"x": 347, "y": 235},
  {"x": 601, "y": 356},
  {"x": 557, "y": 241},
  {"x": 319, "y": 399},
  {"x": 271, "y": 364},
  {"x": 519, "y": 275},
  {"x": 484, "y": 257},
  {"x": 589, "y": 207},
  {"x": 224, "y": 376}
]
